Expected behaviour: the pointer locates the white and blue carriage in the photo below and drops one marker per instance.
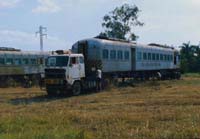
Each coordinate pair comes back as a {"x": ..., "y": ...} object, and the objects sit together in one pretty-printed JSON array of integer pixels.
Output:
[{"x": 123, "y": 58}]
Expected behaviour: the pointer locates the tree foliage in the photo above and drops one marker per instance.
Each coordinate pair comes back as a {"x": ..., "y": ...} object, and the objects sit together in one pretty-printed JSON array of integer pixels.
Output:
[
  {"x": 190, "y": 58},
  {"x": 120, "y": 22}
]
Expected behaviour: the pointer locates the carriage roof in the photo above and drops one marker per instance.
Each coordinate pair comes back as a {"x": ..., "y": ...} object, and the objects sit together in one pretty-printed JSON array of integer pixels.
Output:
[
  {"x": 102, "y": 42},
  {"x": 24, "y": 53}
]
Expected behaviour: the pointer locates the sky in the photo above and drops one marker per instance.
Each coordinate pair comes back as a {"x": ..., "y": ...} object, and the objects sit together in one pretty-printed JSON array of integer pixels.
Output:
[{"x": 170, "y": 22}]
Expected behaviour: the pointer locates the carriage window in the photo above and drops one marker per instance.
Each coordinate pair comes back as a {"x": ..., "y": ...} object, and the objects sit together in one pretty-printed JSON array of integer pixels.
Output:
[
  {"x": 112, "y": 54},
  {"x": 25, "y": 61},
  {"x": 120, "y": 55},
  {"x": 126, "y": 55},
  {"x": 165, "y": 57},
  {"x": 139, "y": 56},
  {"x": 9, "y": 61},
  {"x": 17, "y": 62},
  {"x": 33, "y": 61},
  {"x": 171, "y": 57},
  {"x": 157, "y": 57},
  {"x": 145, "y": 56},
  {"x": 168, "y": 57},
  {"x": 161, "y": 57},
  {"x": 153, "y": 56},
  {"x": 149, "y": 56},
  {"x": 105, "y": 54},
  {"x": 81, "y": 60},
  {"x": 2, "y": 61}
]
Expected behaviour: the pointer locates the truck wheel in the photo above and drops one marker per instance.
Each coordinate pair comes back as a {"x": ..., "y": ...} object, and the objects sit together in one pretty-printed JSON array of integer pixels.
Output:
[
  {"x": 50, "y": 93},
  {"x": 76, "y": 89}
]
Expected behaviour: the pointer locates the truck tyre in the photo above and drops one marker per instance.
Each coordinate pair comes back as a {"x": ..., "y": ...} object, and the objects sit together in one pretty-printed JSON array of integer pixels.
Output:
[
  {"x": 50, "y": 92},
  {"x": 76, "y": 89}
]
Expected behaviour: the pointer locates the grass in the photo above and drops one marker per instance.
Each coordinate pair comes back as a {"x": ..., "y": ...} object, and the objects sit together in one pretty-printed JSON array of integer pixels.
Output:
[
  {"x": 191, "y": 75},
  {"x": 154, "y": 109}
]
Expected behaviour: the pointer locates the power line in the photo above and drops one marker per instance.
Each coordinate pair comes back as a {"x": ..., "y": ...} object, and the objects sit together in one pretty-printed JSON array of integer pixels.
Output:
[{"x": 42, "y": 34}]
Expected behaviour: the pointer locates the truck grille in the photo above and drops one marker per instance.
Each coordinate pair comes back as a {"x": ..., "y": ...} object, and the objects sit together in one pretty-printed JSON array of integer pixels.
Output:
[{"x": 55, "y": 73}]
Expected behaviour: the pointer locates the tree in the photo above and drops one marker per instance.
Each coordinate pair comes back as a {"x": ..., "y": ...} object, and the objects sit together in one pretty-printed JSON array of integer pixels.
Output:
[
  {"x": 190, "y": 58},
  {"x": 119, "y": 22}
]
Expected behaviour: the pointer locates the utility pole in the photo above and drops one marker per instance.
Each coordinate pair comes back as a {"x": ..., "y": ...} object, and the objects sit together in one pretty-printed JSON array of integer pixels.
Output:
[{"x": 42, "y": 34}]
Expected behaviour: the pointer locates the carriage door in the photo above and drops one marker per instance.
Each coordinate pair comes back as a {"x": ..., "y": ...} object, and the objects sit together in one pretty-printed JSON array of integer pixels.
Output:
[
  {"x": 83, "y": 49},
  {"x": 175, "y": 59},
  {"x": 133, "y": 59}
]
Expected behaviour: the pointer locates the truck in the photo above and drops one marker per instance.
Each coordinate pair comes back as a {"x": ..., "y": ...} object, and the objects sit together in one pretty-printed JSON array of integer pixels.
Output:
[{"x": 65, "y": 74}]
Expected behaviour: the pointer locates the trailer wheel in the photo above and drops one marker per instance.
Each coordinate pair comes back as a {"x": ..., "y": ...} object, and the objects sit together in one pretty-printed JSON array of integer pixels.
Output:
[
  {"x": 76, "y": 88},
  {"x": 178, "y": 75},
  {"x": 158, "y": 76}
]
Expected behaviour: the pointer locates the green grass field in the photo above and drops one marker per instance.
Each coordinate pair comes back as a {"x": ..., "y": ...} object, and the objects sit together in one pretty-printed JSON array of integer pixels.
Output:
[{"x": 154, "y": 109}]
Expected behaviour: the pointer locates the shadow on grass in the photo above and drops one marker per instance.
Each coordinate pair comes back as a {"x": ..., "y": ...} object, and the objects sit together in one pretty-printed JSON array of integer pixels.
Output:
[
  {"x": 45, "y": 98},
  {"x": 37, "y": 99}
]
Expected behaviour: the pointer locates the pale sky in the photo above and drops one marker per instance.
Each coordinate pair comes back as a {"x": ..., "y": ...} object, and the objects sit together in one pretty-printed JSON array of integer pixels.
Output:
[{"x": 169, "y": 22}]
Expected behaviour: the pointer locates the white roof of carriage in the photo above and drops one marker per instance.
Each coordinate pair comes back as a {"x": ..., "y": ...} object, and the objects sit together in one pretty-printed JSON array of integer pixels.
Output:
[
  {"x": 23, "y": 53},
  {"x": 128, "y": 44}
]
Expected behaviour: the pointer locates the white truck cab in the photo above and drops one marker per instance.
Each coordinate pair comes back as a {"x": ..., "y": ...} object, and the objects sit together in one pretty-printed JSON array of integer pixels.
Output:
[{"x": 64, "y": 72}]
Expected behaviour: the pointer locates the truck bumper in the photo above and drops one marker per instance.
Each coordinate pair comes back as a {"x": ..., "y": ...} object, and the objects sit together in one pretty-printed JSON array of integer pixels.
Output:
[
  {"x": 58, "y": 89},
  {"x": 62, "y": 88}
]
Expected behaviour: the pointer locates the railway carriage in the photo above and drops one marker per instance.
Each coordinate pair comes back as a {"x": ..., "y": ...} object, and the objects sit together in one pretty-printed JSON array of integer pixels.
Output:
[
  {"x": 20, "y": 66},
  {"x": 129, "y": 59}
]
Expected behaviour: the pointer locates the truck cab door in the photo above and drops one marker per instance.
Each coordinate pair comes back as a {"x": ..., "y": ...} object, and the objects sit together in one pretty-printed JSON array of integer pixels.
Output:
[{"x": 74, "y": 68}]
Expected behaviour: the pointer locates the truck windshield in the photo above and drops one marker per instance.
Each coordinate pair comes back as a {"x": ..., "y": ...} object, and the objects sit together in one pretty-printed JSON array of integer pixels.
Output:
[{"x": 58, "y": 61}]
